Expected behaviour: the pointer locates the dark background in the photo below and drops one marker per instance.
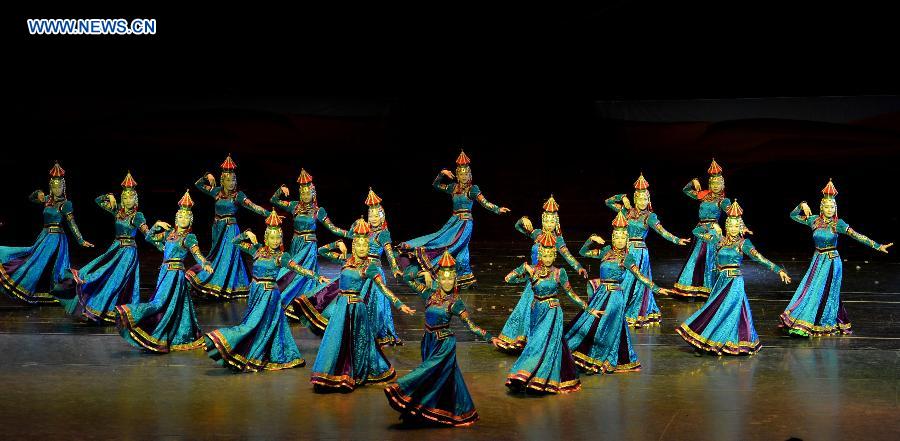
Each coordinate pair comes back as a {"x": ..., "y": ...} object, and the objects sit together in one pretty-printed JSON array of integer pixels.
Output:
[{"x": 385, "y": 96}]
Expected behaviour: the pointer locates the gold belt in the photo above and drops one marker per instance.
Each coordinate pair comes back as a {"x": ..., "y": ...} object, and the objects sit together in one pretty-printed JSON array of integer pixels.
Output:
[
  {"x": 830, "y": 252},
  {"x": 463, "y": 214},
  {"x": 729, "y": 271},
  {"x": 552, "y": 301},
  {"x": 174, "y": 264},
  {"x": 229, "y": 220},
  {"x": 266, "y": 282},
  {"x": 54, "y": 228},
  {"x": 637, "y": 243},
  {"x": 309, "y": 236},
  {"x": 352, "y": 296},
  {"x": 126, "y": 241},
  {"x": 440, "y": 332}
]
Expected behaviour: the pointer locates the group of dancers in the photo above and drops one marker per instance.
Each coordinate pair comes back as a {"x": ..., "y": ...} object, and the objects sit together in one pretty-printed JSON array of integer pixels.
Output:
[{"x": 353, "y": 313}]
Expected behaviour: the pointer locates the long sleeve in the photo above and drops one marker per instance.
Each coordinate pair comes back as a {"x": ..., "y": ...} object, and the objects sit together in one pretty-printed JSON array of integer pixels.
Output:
[
  {"x": 707, "y": 234},
  {"x": 656, "y": 225},
  {"x": 70, "y": 219},
  {"x": 419, "y": 286},
  {"x": 631, "y": 264},
  {"x": 843, "y": 228},
  {"x": 140, "y": 222},
  {"x": 245, "y": 202},
  {"x": 442, "y": 186},
  {"x": 586, "y": 250},
  {"x": 459, "y": 309},
  {"x": 563, "y": 250},
  {"x": 615, "y": 203},
  {"x": 798, "y": 216},
  {"x": 332, "y": 252},
  {"x": 374, "y": 274},
  {"x": 567, "y": 287},
  {"x": 518, "y": 275},
  {"x": 748, "y": 249},
  {"x": 391, "y": 257},
  {"x": 475, "y": 193},
  {"x": 520, "y": 227},
  {"x": 103, "y": 202},
  {"x": 156, "y": 236},
  {"x": 33, "y": 197},
  {"x": 322, "y": 217},
  {"x": 243, "y": 242},
  {"x": 190, "y": 242},
  {"x": 286, "y": 262},
  {"x": 203, "y": 185},
  {"x": 690, "y": 191},
  {"x": 280, "y": 203}
]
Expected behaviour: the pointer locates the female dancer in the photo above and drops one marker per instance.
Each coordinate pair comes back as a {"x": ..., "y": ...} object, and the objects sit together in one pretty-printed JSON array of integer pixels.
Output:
[
  {"x": 456, "y": 233},
  {"x": 514, "y": 335},
  {"x": 113, "y": 278},
  {"x": 604, "y": 344},
  {"x": 435, "y": 391},
  {"x": 229, "y": 277},
  {"x": 167, "y": 322},
  {"x": 263, "y": 340},
  {"x": 696, "y": 276},
  {"x": 816, "y": 308},
  {"x": 28, "y": 274},
  {"x": 546, "y": 364},
  {"x": 724, "y": 325},
  {"x": 348, "y": 356},
  {"x": 641, "y": 309}
]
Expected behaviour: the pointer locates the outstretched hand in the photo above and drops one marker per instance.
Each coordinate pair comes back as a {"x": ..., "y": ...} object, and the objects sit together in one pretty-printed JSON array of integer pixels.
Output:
[
  {"x": 884, "y": 247},
  {"x": 504, "y": 210},
  {"x": 407, "y": 310},
  {"x": 324, "y": 280},
  {"x": 784, "y": 277},
  {"x": 448, "y": 174},
  {"x": 583, "y": 272},
  {"x": 87, "y": 244},
  {"x": 597, "y": 239}
]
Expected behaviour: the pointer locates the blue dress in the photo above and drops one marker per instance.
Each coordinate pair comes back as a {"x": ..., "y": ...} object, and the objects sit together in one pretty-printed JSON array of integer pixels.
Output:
[
  {"x": 348, "y": 356},
  {"x": 168, "y": 321},
  {"x": 513, "y": 337},
  {"x": 113, "y": 278},
  {"x": 546, "y": 364},
  {"x": 641, "y": 308},
  {"x": 229, "y": 278},
  {"x": 263, "y": 340},
  {"x": 29, "y": 274},
  {"x": 454, "y": 235},
  {"x": 696, "y": 277},
  {"x": 435, "y": 390},
  {"x": 816, "y": 307},
  {"x": 724, "y": 325},
  {"x": 604, "y": 344}
]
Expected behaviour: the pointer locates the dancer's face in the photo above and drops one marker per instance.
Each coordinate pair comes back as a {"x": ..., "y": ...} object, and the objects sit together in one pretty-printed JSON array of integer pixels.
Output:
[
  {"x": 273, "y": 238},
  {"x": 828, "y": 207},
  {"x": 360, "y": 246},
  {"x": 642, "y": 199},
  {"x": 56, "y": 187},
  {"x": 547, "y": 255},
  {"x": 549, "y": 221},
  {"x": 733, "y": 226},
  {"x": 129, "y": 199},
  {"x": 306, "y": 193},
  {"x": 619, "y": 238},
  {"x": 229, "y": 181},
  {"x": 464, "y": 174},
  {"x": 447, "y": 279},
  {"x": 183, "y": 218},
  {"x": 717, "y": 184},
  {"x": 376, "y": 216}
]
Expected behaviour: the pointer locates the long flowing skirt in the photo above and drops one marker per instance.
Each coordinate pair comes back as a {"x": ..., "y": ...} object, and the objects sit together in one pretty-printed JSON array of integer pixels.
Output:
[
  {"x": 514, "y": 336},
  {"x": 380, "y": 314},
  {"x": 435, "y": 390},
  {"x": 262, "y": 341},
  {"x": 816, "y": 308},
  {"x": 724, "y": 325},
  {"x": 348, "y": 356},
  {"x": 167, "y": 322},
  {"x": 110, "y": 280},
  {"x": 229, "y": 277},
  {"x": 291, "y": 284},
  {"x": 696, "y": 277},
  {"x": 602, "y": 344},
  {"x": 453, "y": 236},
  {"x": 545, "y": 365},
  {"x": 314, "y": 308},
  {"x": 641, "y": 309},
  {"x": 28, "y": 274}
]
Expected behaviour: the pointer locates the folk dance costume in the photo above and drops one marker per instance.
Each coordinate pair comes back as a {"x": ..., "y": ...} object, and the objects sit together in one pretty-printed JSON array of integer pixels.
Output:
[
  {"x": 456, "y": 233},
  {"x": 641, "y": 308},
  {"x": 435, "y": 391},
  {"x": 263, "y": 340},
  {"x": 816, "y": 308},
  {"x": 546, "y": 364},
  {"x": 229, "y": 277},
  {"x": 306, "y": 213},
  {"x": 724, "y": 325},
  {"x": 113, "y": 278},
  {"x": 696, "y": 277},
  {"x": 348, "y": 356},
  {"x": 514, "y": 335},
  {"x": 168, "y": 321},
  {"x": 29, "y": 274}
]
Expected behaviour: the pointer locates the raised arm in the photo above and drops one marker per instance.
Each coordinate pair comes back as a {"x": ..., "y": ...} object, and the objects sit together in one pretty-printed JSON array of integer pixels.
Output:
[
  {"x": 156, "y": 236},
  {"x": 323, "y": 219},
  {"x": 37, "y": 197},
  {"x": 475, "y": 193},
  {"x": 417, "y": 283},
  {"x": 799, "y": 216},
  {"x": 245, "y": 202},
  {"x": 524, "y": 226},
  {"x": 459, "y": 309},
  {"x": 278, "y": 202},
  {"x": 103, "y": 202},
  {"x": 441, "y": 185},
  {"x": 656, "y": 225},
  {"x": 333, "y": 252},
  {"x": 586, "y": 250},
  {"x": 519, "y": 275},
  {"x": 205, "y": 187},
  {"x": 690, "y": 191},
  {"x": 843, "y": 228},
  {"x": 246, "y": 245},
  {"x": 615, "y": 203}
]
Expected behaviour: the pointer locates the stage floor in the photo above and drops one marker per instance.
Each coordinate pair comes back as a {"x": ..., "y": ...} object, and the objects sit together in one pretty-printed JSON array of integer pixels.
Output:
[{"x": 64, "y": 379}]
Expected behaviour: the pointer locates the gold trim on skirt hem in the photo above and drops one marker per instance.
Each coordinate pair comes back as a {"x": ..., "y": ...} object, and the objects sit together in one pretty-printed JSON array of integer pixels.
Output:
[
  {"x": 403, "y": 404},
  {"x": 700, "y": 342}
]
